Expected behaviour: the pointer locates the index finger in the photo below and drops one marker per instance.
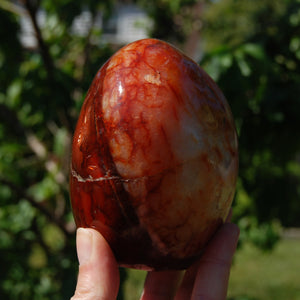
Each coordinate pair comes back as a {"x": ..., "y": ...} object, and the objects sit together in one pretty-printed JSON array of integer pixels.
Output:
[
  {"x": 213, "y": 273},
  {"x": 210, "y": 274}
]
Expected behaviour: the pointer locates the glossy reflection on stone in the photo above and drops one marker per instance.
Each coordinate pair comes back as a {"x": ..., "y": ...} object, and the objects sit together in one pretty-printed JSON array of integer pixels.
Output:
[{"x": 154, "y": 158}]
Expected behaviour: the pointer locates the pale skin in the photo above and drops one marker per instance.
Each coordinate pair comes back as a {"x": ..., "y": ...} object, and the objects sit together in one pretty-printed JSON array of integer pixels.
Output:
[{"x": 207, "y": 279}]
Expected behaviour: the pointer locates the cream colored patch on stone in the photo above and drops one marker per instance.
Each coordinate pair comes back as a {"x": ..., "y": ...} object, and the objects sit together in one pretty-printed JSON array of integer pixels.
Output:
[
  {"x": 154, "y": 79},
  {"x": 112, "y": 63}
]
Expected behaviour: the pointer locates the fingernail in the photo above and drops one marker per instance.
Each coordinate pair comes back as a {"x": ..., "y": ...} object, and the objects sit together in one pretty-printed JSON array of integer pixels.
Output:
[{"x": 84, "y": 245}]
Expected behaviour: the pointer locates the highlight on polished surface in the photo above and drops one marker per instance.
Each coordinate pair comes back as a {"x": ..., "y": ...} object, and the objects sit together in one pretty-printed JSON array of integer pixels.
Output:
[{"x": 154, "y": 157}]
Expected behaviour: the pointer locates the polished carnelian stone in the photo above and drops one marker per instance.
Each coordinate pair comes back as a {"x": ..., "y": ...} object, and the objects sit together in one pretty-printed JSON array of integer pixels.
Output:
[{"x": 154, "y": 157}]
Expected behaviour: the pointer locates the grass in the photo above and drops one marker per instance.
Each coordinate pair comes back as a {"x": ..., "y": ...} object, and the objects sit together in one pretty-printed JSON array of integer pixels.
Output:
[
  {"x": 255, "y": 275},
  {"x": 134, "y": 284}
]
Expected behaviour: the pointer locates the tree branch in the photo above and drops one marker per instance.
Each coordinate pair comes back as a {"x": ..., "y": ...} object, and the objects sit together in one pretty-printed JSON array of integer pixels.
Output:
[
  {"x": 49, "y": 65},
  {"x": 38, "y": 205}
]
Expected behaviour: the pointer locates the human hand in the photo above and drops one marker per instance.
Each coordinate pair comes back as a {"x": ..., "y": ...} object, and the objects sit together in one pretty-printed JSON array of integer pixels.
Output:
[{"x": 98, "y": 277}]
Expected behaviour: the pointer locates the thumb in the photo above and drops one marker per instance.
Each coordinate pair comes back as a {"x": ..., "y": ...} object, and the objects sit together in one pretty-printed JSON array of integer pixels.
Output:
[{"x": 98, "y": 277}]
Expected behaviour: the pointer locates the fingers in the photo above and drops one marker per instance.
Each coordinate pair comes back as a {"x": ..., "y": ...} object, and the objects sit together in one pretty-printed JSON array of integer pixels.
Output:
[
  {"x": 161, "y": 285},
  {"x": 228, "y": 219},
  {"x": 213, "y": 273},
  {"x": 98, "y": 277},
  {"x": 186, "y": 287},
  {"x": 208, "y": 279}
]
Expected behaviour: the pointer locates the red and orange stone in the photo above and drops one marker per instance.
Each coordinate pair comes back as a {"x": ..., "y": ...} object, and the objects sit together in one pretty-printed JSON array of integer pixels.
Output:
[{"x": 154, "y": 157}]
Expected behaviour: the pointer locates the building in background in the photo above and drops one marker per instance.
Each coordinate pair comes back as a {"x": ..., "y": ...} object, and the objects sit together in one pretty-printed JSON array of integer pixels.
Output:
[{"x": 127, "y": 23}]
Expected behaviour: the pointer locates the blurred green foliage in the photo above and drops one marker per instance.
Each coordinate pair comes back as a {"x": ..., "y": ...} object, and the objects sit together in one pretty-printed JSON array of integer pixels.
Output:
[
  {"x": 253, "y": 53},
  {"x": 251, "y": 48},
  {"x": 41, "y": 91}
]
